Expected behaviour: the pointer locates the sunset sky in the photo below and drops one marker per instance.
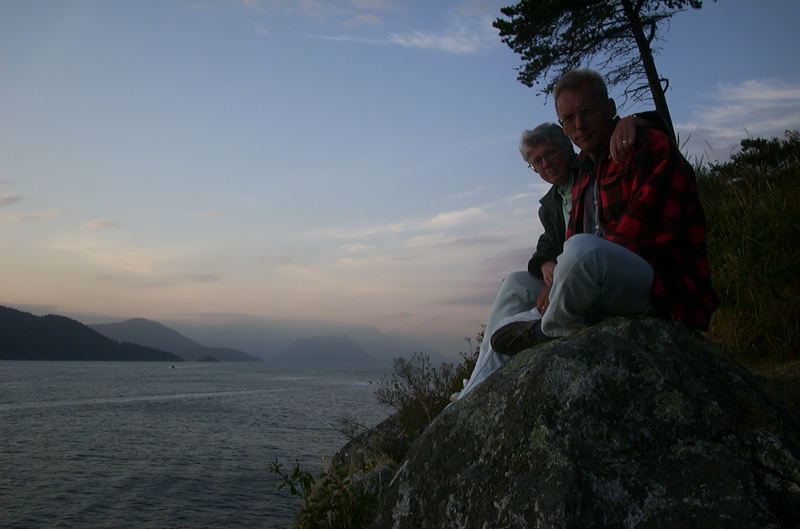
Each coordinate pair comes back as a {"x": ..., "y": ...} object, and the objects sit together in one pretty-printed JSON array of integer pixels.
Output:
[{"x": 350, "y": 161}]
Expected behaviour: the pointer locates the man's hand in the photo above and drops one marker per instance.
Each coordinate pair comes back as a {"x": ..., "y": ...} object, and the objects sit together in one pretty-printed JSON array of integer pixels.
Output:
[
  {"x": 547, "y": 272},
  {"x": 622, "y": 139},
  {"x": 544, "y": 300}
]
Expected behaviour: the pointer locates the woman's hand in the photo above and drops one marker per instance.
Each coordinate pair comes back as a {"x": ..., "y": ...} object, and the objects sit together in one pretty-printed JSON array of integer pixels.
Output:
[
  {"x": 548, "y": 269},
  {"x": 543, "y": 301}
]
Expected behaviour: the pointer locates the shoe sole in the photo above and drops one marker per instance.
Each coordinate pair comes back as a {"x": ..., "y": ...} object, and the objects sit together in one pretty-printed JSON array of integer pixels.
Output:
[{"x": 512, "y": 338}]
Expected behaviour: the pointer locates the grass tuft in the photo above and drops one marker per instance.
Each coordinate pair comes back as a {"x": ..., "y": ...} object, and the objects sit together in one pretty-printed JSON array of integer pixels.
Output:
[{"x": 753, "y": 214}]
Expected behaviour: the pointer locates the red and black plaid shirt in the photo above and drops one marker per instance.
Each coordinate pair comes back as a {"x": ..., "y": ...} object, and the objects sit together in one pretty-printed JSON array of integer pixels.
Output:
[{"x": 649, "y": 205}]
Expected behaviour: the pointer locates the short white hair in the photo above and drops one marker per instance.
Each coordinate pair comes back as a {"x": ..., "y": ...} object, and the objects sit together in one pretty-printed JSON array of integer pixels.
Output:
[
  {"x": 576, "y": 78},
  {"x": 545, "y": 133}
]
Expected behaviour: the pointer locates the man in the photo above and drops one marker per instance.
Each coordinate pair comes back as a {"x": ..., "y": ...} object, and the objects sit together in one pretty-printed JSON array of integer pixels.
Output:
[{"x": 636, "y": 241}]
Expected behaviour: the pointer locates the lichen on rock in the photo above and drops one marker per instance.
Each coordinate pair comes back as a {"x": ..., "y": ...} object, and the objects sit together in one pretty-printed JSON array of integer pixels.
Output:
[{"x": 632, "y": 423}]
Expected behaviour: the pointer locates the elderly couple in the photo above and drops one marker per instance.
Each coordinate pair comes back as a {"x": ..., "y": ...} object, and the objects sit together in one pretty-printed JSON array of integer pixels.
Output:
[{"x": 624, "y": 231}]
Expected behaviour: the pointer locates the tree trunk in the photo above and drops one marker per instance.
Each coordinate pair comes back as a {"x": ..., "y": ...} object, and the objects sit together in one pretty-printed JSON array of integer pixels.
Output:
[{"x": 646, "y": 53}]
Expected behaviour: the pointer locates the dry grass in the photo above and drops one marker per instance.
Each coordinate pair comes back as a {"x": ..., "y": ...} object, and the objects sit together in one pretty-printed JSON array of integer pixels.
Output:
[{"x": 754, "y": 246}]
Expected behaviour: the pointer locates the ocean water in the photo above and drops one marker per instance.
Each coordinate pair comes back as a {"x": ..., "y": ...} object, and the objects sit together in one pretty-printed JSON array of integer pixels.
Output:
[{"x": 151, "y": 446}]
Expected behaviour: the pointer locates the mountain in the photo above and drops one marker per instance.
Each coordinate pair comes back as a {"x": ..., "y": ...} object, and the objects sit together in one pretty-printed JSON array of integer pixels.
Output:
[
  {"x": 325, "y": 350},
  {"x": 153, "y": 334},
  {"x": 24, "y": 336},
  {"x": 270, "y": 338},
  {"x": 386, "y": 347}
]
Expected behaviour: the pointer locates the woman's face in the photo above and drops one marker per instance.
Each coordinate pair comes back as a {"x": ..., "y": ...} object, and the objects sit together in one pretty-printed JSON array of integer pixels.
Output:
[{"x": 550, "y": 162}]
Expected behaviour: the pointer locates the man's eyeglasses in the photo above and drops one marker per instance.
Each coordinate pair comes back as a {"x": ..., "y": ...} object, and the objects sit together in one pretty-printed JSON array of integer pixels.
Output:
[
  {"x": 568, "y": 120},
  {"x": 536, "y": 163}
]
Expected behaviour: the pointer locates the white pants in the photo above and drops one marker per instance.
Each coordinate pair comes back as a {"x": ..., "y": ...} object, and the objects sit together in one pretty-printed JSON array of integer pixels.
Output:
[
  {"x": 594, "y": 278},
  {"x": 516, "y": 297}
]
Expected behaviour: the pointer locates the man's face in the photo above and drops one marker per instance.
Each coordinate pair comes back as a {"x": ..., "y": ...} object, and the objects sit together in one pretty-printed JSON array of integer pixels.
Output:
[
  {"x": 587, "y": 117},
  {"x": 550, "y": 162}
]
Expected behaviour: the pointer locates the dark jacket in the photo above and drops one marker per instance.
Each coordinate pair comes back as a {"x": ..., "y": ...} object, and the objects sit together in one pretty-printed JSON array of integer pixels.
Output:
[{"x": 551, "y": 242}]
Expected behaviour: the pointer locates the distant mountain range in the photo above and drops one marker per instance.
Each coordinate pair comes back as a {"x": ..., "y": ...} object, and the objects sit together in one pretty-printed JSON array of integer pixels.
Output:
[
  {"x": 24, "y": 336},
  {"x": 325, "y": 350},
  {"x": 153, "y": 334},
  {"x": 270, "y": 339}
]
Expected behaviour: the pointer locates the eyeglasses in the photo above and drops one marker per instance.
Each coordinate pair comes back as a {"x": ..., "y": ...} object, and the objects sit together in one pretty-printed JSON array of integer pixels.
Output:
[
  {"x": 568, "y": 120},
  {"x": 548, "y": 155}
]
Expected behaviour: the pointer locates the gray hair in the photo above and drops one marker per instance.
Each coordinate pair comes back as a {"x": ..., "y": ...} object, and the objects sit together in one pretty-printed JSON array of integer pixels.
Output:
[
  {"x": 576, "y": 78},
  {"x": 545, "y": 133}
]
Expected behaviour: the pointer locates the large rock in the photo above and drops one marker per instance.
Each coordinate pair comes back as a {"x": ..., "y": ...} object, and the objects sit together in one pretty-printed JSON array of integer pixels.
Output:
[{"x": 629, "y": 424}]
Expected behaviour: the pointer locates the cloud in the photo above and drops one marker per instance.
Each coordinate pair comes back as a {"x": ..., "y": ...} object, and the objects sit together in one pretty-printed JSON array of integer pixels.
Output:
[
  {"x": 459, "y": 42},
  {"x": 427, "y": 240},
  {"x": 115, "y": 256},
  {"x": 466, "y": 29},
  {"x": 345, "y": 12},
  {"x": 134, "y": 282},
  {"x": 349, "y": 38},
  {"x": 101, "y": 223},
  {"x": 760, "y": 90},
  {"x": 453, "y": 218},
  {"x": 481, "y": 241},
  {"x": 260, "y": 28},
  {"x": 461, "y": 37},
  {"x": 438, "y": 241},
  {"x": 442, "y": 231},
  {"x": 364, "y": 233},
  {"x": 520, "y": 196},
  {"x": 7, "y": 200},
  {"x": 462, "y": 33},
  {"x": 370, "y": 4},
  {"x": 204, "y": 277},
  {"x": 461, "y": 234},
  {"x": 49, "y": 214},
  {"x": 755, "y": 108},
  {"x": 356, "y": 248},
  {"x": 261, "y": 5},
  {"x": 453, "y": 255},
  {"x": 368, "y": 19},
  {"x": 467, "y": 194}
]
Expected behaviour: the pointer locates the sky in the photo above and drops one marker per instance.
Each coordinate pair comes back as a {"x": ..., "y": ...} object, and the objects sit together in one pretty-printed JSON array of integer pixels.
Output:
[{"x": 352, "y": 162}]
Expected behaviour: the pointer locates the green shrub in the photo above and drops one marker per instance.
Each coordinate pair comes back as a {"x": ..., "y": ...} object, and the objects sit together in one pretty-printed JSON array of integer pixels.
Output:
[
  {"x": 751, "y": 206},
  {"x": 329, "y": 501},
  {"x": 419, "y": 391}
]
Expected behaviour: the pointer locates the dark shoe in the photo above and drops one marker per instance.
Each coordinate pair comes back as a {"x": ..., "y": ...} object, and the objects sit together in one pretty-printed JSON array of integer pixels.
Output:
[{"x": 517, "y": 336}]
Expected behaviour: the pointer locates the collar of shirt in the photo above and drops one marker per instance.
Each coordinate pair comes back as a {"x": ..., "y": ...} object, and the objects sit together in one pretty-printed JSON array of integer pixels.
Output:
[{"x": 565, "y": 190}]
